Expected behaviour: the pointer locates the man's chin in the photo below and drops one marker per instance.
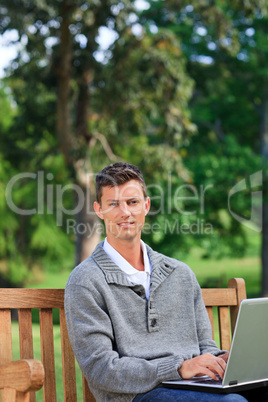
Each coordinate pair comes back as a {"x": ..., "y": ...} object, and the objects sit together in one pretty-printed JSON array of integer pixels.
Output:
[{"x": 126, "y": 235}]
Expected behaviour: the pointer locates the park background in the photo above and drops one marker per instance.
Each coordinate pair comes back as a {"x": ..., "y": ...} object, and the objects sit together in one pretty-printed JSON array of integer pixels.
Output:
[{"x": 179, "y": 88}]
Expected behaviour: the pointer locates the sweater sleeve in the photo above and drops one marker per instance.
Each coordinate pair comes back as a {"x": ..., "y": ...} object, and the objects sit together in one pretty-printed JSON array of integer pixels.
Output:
[{"x": 91, "y": 336}]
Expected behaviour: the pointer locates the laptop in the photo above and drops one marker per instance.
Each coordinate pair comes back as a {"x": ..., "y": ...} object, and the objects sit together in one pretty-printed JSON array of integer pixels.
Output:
[{"x": 247, "y": 366}]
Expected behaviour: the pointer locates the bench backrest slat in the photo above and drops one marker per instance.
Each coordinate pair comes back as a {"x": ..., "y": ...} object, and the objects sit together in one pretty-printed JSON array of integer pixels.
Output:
[
  {"x": 47, "y": 353},
  {"x": 26, "y": 338},
  {"x": 5, "y": 345},
  {"x": 5, "y": 336},
  {"x": 68, "y": 362},
  {"x": 211, "y": 319},
  {"x": 224, "y": 327}
]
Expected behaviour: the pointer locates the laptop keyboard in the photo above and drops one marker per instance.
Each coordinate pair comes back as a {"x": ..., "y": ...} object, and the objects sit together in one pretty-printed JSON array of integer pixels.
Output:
[{"x": 208, "y": 381}]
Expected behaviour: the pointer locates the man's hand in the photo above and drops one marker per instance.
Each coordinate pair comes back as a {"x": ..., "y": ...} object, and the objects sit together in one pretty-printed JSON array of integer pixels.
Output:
[
  {"x": 206, "y": 364},
  {"x": 225, "y": 356}
]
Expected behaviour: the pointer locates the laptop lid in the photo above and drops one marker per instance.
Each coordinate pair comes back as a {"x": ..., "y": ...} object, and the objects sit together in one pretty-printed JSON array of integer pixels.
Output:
[
  {"x": 248, "y": 359},
  {"x": 247, "y": 366}
]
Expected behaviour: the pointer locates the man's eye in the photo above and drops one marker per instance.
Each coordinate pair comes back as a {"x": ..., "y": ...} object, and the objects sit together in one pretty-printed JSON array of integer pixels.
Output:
[{"x": 113, "y": 204}]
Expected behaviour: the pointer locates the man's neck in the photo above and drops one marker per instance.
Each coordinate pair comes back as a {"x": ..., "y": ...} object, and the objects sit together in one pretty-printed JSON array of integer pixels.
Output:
[{"x": 131, "y": 251}]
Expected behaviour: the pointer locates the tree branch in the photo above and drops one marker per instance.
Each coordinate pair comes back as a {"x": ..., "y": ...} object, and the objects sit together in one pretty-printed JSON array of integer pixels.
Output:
[{"x": 108, "y": 150}]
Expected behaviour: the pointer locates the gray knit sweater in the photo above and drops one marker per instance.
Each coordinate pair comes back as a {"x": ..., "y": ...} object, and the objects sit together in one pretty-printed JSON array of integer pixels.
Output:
[{"x": 124, "y": 343}]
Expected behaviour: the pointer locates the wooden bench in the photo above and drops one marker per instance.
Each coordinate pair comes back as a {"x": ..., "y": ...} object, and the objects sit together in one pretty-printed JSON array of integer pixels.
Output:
[{"x": 20, "y": 379}]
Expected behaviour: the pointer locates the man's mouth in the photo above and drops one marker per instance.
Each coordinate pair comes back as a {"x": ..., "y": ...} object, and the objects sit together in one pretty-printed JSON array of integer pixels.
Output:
[{"x": 125, "y": 223}]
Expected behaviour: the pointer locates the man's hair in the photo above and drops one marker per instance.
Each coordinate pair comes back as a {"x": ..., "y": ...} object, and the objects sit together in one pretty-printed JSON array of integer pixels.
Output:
[{"x": 117, "y": 174}]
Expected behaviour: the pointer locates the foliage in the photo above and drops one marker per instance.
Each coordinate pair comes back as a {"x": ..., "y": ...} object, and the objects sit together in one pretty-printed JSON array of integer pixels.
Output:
[
  {"x": 30, "y": 241},
  {"x": 142, "y": 81},
  {"x": 225, "y": 51},
  {"x": 183, "y": 99},
  {"x": 147, "y": 90},
  {"x": 219, "y": 167}
]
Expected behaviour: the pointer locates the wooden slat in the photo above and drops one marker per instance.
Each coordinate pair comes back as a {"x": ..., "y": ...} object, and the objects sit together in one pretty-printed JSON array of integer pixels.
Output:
[
  {"x": 26, "y": 334},
  {"x": 219, "y": 297},
  {"x": 5, "y": 337},
  {"x": 5, "y": 346},
  {"x": 68, "y": 362},
  {"x": 22, "y": 397},
  {"x": 47, "y": 354},
  {"x": 32, "y": 298},
  {"x": 210, "y": 316},
  {"x": 224, "y": 328},
  {"x": 240, "y": 287},
  {"x": 26, "y": 338},
  {"x": 8, "y": 394},
  {"x": 88, "y": 396},
  {"x": 6, "y": 349}
]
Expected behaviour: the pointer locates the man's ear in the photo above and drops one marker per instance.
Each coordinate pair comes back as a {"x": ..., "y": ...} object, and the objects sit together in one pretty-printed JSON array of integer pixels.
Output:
[
  {"x": 147, "y": 205},
  {"x": 97, "y": 209}
]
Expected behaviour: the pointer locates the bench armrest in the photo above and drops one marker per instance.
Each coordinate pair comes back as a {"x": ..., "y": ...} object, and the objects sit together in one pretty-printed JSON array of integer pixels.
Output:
[{"x": 22, "y": 375}]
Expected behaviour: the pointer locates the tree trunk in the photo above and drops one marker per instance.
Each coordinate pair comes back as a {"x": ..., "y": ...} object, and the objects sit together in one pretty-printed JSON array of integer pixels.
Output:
[
  {"x": 69, "y": 140},
  {"x": 88, "y": 227},
  {"x": 88, "y": 238},
  {"x": 264, "y": 137},
  {"x": 63, "y": 73}
]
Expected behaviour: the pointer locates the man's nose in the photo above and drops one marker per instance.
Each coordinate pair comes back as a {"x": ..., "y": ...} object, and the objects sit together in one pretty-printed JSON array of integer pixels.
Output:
[{"x": 124, "y": 208}]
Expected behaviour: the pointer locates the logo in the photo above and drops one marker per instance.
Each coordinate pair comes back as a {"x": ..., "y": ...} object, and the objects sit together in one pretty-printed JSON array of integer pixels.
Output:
[
  {"x": 165, "y": 201},
  {"x": 255, "y": 220}
]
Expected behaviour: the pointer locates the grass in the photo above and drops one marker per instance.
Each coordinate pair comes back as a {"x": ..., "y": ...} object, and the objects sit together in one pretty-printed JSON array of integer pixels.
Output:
[
  {"x": 51, "y": 280},
  {"x": 214, "y": 272},
  {"x": 209, "y": 273}
]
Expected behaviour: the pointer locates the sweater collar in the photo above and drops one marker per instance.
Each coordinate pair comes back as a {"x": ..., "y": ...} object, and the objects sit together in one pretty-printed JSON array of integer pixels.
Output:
[
  {"x": 112, "y": 272},
  {"x": 161, "y": 267}
]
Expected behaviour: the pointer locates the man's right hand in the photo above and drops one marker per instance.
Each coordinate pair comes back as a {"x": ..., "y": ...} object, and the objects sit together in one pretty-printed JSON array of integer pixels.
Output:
[{"x": 206, "y": 364}]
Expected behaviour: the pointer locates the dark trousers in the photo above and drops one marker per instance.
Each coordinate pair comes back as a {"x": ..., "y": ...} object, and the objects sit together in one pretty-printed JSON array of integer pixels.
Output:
[{"x": 162, "y": 394}]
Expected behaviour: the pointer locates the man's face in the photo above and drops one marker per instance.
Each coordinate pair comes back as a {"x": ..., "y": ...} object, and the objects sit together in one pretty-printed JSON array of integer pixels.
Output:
[{"x": 123, "y": 209}]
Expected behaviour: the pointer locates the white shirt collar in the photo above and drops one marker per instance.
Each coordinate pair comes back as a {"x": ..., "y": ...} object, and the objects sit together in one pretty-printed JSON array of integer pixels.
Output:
[{"x": 123, "y": 263}]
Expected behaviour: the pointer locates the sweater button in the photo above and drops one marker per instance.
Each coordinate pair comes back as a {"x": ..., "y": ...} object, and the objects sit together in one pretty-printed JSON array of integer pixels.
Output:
[{"x": 153, "y": 322}]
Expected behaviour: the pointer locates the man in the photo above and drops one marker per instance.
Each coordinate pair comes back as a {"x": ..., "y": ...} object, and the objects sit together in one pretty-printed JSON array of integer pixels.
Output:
[{"x": 136, "y": 317}]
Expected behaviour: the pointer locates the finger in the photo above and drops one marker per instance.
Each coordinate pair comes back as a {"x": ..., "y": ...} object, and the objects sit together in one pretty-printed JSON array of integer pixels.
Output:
[
  {"x": 219, "y": 366},
  {"x": 224, "y": 356},
  {"x": 216, "y": 365},
  {"x": 208, "y": 372},
  {"x": 222, "y": 363},
  {"x": 213, "y": 367}
]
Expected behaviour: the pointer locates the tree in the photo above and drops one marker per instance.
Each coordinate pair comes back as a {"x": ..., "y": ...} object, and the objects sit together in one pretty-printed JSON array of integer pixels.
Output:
[
  {"x": 226, "y": 50},
  {"x": 102, "y": 108},
  {"x": 135, "y": 102}
]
